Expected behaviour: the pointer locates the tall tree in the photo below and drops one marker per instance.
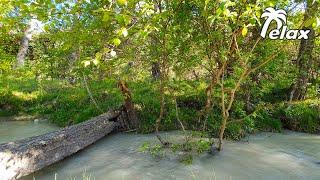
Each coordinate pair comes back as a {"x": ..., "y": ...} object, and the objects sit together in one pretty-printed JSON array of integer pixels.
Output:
[
  {"x": 305, "y": 59},
  {"x": 32, "y": 27}
]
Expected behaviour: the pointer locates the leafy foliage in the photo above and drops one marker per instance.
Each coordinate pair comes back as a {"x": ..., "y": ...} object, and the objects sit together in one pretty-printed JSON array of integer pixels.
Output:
[{"x": 196, "y": 65}]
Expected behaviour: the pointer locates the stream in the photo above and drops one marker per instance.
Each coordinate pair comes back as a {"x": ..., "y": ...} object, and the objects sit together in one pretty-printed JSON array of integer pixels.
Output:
[{"x": 287, "y": 155}]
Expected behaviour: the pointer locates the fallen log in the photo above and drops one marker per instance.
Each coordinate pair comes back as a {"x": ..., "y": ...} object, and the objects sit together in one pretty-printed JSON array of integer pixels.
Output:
[{"x": 26, "y": 156}]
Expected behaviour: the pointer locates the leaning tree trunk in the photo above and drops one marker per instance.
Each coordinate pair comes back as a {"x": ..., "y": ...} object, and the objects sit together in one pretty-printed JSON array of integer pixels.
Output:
[
  {"x": 26, "y": 156},
  {"x": 23, "y": 50},
  {"x": 305, "y": 58},
  {"x": 131, "y": 118}
]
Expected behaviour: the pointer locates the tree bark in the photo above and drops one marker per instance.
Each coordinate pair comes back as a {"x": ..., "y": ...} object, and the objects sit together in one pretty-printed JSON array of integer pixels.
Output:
[
  {"x": 23, "y": 157},
  {"x": 155, "y": 67},
  {"x": 155, "y": 70},
  {"x": 23, "y": 50},
  {"x": 133, "y": 122},
  {"x": 305, "y": 58}
]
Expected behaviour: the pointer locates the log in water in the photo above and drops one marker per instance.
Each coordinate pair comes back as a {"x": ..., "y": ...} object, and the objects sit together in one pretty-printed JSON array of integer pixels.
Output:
[
  {"x": 266, "y": 156},
  {"x": 288, "y": 155},
  {"x": 22, "y": 157}
]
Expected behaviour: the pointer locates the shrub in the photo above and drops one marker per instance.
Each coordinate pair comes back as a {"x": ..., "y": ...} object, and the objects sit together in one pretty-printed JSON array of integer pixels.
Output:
[
  {"x": 301, "y": 116},
  {"x": 264, "y": 121}
]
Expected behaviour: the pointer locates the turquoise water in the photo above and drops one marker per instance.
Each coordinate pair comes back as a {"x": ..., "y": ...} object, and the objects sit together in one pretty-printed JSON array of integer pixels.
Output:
[
  {"x": 288, "y": 156},
  {"x": 15, "y": 130}
]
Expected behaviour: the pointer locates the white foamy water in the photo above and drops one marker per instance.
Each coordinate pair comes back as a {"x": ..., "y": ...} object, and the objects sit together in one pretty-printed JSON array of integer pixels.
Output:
[{"x": 287, "y": 156}]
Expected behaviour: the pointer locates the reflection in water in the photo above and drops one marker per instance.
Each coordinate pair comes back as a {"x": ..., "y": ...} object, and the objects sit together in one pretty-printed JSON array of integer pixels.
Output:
[{"x": 266, "y": 156}]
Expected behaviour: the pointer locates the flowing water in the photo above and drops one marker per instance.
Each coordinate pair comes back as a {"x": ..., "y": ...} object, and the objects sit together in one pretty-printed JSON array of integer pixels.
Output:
[
  {"x": 15, "y": 130},
  {"x": 265, "y": 156}
]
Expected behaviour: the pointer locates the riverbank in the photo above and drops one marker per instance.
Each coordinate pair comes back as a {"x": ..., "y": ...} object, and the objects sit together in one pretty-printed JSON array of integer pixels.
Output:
[
  {"x": 18, "y": 118},
  {"x": 65, "y": 104}
]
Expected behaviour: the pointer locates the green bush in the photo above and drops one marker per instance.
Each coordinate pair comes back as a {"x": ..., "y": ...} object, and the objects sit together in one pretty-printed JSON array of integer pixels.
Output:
[
  {"x": 264, "y": 121},
  {"x": 235, "y": 130},
  {"x": 301, "y": 116},
  {"x": 65, "y": 104}
]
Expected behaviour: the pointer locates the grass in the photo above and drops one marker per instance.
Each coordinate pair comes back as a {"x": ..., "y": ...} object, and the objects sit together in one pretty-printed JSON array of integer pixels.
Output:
[
  {"x": 60, "y": 102},
  {"x": 65, "y": 104}
]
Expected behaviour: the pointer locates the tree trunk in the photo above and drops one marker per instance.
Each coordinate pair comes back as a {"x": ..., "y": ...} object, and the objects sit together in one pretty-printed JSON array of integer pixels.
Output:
[
  {"x": 23, "y": 50},
  {"x": 204, "y": 113},
  {"x": 305, "y": 59},
  {"x": 131, "y": 114},
  {"x": 162, "y": 104},
  {"x": 26, "y": 156},
  {"x": 221, "y": 133},
  {"x": 155, "y": 67},
  {"x": 155, "y": 70}
]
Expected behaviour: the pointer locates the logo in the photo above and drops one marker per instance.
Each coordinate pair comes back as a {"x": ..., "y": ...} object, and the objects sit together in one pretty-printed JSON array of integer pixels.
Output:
[{"x": 281, "y": 31}]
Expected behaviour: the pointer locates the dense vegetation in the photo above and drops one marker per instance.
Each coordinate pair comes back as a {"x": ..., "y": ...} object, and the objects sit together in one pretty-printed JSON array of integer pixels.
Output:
[{"x": 191, "y": 65}]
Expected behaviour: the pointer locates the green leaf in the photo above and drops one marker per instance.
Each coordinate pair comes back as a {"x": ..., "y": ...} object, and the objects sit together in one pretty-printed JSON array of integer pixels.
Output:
[
  {"x": 116, "y": 41},
  {"x": 309, "y": 22},
  {"x": 98, "y": 56},
  {"x": 123, "y": 19},
  {"x": 226, "y": 12},
  {"x": 120, "y": 19},
  {"x": 122, "y": 2},
  {"x": 106, "y": 17},
  {"x": 206, "y": 3},
  {"x": 127, "y": 19},
  {"x": 244, "y": 31}
]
